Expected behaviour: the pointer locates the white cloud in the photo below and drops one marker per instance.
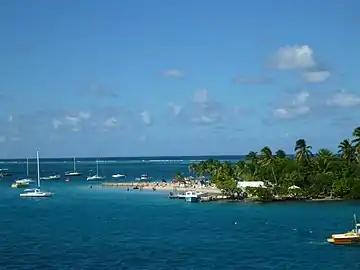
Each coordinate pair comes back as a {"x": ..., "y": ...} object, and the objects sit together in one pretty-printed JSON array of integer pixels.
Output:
[
  {"x": 294, "y": 57},
  {"x": 174, "y": 73},
  {"x": 145, "y": 117},
  {"x": 343, "y": 99},
  {"x": 72, "y": 120},
  {"x": 316, "y": 76},
  {"x": 201, "y": 96},
  {"x": 298, "y": 106},
  {"x": 10, "y": 118},
  {"x": 110, "y": 122},
  {"x": 84, "y": 115},
  {"x": 2, "y": 139},
  {"x": 57, "y": 123},
  {"x": 203, "y": 119},
  {"x": 176, "y": 109}
]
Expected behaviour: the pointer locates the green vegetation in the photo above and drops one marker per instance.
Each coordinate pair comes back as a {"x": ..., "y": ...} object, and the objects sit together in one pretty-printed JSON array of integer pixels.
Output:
[{"x": 306, "y": 176}]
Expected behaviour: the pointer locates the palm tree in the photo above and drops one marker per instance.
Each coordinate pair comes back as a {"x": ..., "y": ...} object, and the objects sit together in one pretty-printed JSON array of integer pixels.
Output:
[
  {"x": 280, "y": 154},
  {"x": 303, "y": 152},
  {"x": 356, "y": 141},
  {"x": 240, "y": 169},
  {"x": 252, "y": 156},
  {"x": 179, "y": 177},
  {"x": 252, "y": 165},
  {"x": 325, "y": 158},
  {"x": 356, "y": 134},
  {"x": 346, "y": 150},
  {"x": 267, "y": 159}
]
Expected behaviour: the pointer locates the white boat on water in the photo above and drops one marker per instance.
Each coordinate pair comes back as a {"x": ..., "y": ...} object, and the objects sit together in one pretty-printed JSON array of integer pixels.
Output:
[
  {"x": 118, "y": 175},
  {"x": 36, "y": 192},
  {"x": 51, "y": 177},
  {"x": 27, "y": 179},
  {"x": 74, "y": 172},
  {"x": 24, "y": 181},
  {"x": 96, "y": 177},
  {"x": 143, "y": 177},
  {"x": 193, "y": 196}
]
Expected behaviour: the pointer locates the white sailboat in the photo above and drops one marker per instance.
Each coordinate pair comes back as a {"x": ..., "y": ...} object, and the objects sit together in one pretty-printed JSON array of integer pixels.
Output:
[
  {"x": 27, "y": 179},
  {"x": 96, "y": 177},
  {"x": 74, "y": 172},
  {"x": 36, "y": 192}
]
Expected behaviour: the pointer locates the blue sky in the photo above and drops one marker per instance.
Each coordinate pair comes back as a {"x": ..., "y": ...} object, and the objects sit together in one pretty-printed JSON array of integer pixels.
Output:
[{"x": 131, "y": 77}]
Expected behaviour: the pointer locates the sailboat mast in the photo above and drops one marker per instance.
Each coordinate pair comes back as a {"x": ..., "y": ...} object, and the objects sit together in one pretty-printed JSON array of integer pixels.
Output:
[
  {"x": 27, "y": 167},
  {"x": 74, "y": 165},
  {"x": 38, "y": 168},
  {"x": 97, "y": 167}
]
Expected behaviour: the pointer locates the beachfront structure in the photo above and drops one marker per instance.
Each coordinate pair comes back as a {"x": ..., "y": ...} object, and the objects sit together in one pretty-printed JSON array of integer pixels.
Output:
[{"x": 246, "y": 184}]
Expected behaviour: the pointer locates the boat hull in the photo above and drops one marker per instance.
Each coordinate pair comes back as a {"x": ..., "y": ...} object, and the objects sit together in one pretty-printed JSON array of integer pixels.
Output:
[
  {"x": 73, "y": 174},
  {"x": 55, "y": 177},
  {"x": 117, "y": 175},
  {"x": 95, "y": 178},
  {"x": 36, "y": 195},
  {"x": 19, "y": 185},
  {"x": 192, "y": 199},
  {"x": 344, "y": 239},
  {"x": 343, "y": 242}
]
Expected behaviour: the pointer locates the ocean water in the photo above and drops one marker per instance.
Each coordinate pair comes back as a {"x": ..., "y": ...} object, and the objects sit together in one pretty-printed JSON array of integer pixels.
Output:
[{"x": 111, "y": 228}]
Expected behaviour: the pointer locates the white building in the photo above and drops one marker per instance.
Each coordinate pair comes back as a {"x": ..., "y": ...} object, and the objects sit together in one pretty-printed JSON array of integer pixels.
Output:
[{"x": 245, "y": 184}]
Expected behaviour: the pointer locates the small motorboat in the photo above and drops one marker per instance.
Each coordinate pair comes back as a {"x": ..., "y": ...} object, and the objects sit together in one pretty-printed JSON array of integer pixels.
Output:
[
  {"x": 20, "y": 185},
  {"x": 192, "y": 196},
  {"x": 118, "y": 175},
  {"x": 349, "y": 238},
  {"x": 51, "y": 177},
  {"x": 24, "y": 181}
]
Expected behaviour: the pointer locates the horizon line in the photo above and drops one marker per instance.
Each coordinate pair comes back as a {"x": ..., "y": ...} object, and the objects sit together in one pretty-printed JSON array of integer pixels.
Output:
[{"x": 136, "y": 157}]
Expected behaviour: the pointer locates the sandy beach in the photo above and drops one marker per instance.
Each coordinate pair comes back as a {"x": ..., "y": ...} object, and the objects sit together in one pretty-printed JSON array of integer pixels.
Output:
[{"x": 163, "y": 187}]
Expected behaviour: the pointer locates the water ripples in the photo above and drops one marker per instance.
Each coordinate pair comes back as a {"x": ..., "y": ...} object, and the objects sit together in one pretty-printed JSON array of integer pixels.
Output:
[{"x": 84, "y": 228}]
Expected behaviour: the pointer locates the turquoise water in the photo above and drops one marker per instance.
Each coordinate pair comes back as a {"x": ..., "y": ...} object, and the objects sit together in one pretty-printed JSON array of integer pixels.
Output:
[{"x": 109, "y": 228}]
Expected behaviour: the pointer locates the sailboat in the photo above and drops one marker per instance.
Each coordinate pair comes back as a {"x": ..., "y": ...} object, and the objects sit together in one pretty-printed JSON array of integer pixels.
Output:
[
  {"x": 36, "y": 192},
  {"x": 27, "y": 180},
  {"x": 95, "y": 177},
  {"x": 73, "y": 173}
]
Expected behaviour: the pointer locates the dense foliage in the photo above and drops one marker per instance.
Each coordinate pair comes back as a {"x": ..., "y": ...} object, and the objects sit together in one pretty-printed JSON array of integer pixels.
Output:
[{"x": 306, "y": 176}]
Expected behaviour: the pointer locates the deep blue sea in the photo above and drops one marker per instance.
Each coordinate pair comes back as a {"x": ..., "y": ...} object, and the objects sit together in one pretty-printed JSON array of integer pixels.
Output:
[{"x": 111, "y": 228}]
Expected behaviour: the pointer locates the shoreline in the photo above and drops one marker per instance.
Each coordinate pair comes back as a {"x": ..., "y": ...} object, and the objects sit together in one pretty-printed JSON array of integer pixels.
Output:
[
  {"x": 211, "y": 192},
  {"x": 161, "y": 187}
]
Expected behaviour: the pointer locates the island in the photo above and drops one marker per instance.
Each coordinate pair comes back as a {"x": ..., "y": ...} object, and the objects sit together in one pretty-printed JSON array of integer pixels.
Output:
[{"x": 274, "y": 176}]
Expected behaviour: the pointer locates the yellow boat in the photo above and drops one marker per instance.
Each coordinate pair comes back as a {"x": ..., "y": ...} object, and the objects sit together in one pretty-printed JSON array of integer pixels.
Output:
[
  {"x": 19, "y": 185},
  {"x": 348, "y": 238}
]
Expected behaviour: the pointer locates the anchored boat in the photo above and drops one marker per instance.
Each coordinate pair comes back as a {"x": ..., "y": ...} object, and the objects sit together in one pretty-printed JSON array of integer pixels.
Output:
[
  {"x": 19, "y": 184},
  {"x": 349, "y": 238}
]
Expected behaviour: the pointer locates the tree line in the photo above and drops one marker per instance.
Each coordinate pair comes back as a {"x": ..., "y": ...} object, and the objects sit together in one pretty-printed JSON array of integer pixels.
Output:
[{"x": 307, "y": 175}]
